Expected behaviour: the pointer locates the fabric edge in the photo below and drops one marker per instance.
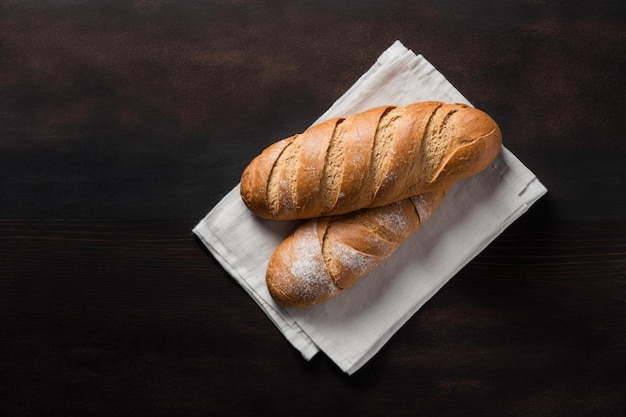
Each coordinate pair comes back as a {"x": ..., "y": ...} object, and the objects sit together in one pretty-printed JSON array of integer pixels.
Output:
[{"x": 289, "y": 328}]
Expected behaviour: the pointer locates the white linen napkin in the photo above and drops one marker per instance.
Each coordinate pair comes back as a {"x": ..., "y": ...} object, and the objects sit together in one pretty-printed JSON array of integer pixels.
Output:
[{"x": 351, "y": 328}]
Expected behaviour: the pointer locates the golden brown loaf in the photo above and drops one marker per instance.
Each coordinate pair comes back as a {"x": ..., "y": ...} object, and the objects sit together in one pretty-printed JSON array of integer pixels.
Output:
[
  {"x": 370, "y": 159},
  {"x": 325, "y": 256}
]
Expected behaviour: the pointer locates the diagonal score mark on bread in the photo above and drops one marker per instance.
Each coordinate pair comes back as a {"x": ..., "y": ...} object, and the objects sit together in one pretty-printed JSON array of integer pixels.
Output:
[
  {"x": 325, "y": 256},
  {"x": 366, "y": 183},
  {"x": 372, "y": 158}
]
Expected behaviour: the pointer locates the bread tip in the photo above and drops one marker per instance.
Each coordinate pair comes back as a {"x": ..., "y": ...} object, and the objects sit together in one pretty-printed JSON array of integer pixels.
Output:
[{"x": 296, "y": 275}]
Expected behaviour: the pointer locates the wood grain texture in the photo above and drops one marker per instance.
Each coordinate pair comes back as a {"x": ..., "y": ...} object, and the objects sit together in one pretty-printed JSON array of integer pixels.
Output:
[
  {"x": 174, "y": 99},
  {"x": 127, "y": 120},
  {"x": 112, "y": 318}
]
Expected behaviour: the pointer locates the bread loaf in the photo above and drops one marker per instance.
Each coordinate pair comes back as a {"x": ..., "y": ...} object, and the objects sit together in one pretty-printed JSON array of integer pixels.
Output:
[
  {"x": 325, "y": 256},
  {"x": 371, "y": 159}
]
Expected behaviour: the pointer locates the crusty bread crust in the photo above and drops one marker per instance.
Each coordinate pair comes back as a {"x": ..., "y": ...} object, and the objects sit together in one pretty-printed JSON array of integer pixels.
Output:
[
  {"x": 366, "y": 183},
  {"x": 370, "y": 159},
  {"x": 326, "y": 256}
]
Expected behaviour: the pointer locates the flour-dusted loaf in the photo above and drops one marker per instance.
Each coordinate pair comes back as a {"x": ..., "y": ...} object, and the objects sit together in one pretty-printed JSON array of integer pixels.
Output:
[
  {"x": 325, "y": 256},
  {"x": 374, "y": 158}
]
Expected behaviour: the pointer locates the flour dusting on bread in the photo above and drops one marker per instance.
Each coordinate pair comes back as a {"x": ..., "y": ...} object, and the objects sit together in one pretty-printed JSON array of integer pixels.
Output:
[
  {"x": 297, "y": 274},
  {"x": 364, "y": 185}
]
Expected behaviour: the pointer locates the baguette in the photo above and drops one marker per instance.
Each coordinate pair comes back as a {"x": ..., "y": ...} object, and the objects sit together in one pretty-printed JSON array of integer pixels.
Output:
[
  {"x": 371, "y": 159},
  {"x": 326, "y": 256}
]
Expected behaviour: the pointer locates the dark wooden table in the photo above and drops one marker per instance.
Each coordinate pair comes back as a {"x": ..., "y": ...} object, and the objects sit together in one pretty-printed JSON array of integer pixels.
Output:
[{"x": 123, "y": 123}]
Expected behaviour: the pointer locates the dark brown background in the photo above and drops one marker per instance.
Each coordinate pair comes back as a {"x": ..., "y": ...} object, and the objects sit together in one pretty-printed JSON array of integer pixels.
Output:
[{"x": 123, "y": 122}]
